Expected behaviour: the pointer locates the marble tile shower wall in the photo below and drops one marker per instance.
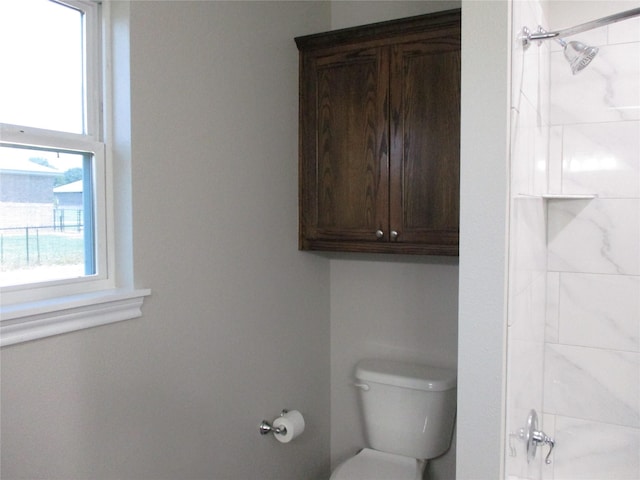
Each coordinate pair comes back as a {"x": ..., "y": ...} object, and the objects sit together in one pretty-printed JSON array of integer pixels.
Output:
[
  {"x": 527, "y": 240},
  {"x": 577, "y": 259},
  {"x": 591, "y": 391}
]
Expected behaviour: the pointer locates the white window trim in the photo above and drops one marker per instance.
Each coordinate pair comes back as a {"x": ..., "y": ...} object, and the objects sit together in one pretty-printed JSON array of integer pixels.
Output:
[
  {"x": 103, "y": 300},
  {"x": 35, "y": 320}
]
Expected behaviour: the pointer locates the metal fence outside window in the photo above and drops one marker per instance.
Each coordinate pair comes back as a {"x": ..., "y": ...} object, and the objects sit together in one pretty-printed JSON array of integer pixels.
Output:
[{"x": 60, "y": 243}]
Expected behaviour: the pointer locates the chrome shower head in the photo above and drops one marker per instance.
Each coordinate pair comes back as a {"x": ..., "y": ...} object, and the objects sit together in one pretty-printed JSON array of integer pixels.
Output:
[{"x": 579, "y": 55}]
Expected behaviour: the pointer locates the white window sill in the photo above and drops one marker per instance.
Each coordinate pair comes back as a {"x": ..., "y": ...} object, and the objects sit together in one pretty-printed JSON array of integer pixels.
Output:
[{"x": 34, "y": 320}]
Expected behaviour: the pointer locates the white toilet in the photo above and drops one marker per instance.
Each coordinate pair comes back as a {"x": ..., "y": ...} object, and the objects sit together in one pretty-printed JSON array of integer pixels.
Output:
[{"x": 408, "y": 410}]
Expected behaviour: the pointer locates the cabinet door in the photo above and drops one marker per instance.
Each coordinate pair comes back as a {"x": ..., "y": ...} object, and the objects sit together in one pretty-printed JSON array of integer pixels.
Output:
[
  {"x": 425, "y": 141},
  {"x": 345, "y": 146}
]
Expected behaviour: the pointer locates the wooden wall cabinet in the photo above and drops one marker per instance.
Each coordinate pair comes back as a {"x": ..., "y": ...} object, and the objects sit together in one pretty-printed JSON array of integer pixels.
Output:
[{"x": 380, "y": 137}]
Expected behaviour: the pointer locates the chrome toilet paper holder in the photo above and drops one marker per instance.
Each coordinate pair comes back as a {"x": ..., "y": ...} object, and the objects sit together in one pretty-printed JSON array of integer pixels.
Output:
[{"x": 265, "y": 427}]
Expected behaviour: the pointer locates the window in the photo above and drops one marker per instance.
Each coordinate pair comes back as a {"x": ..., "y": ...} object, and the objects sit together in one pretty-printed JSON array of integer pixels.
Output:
[{"x": 57, "y": 246}]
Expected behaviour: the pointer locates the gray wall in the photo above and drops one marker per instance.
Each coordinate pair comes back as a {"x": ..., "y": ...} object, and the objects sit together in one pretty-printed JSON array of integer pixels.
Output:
[
  {"x": 483, "y": 229},
  {"x": 237, "y": 326},
  {"x": 398, "y": 309}
]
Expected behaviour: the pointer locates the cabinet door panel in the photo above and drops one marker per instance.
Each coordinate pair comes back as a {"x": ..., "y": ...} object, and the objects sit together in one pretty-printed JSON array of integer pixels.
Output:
[
  {"x": 350, "y": 176},
  {"x": 425, "y": 139}
]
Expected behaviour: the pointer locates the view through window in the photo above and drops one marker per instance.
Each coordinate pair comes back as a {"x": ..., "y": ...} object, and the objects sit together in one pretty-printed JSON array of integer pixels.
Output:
[{"x": 45, "y": 215}]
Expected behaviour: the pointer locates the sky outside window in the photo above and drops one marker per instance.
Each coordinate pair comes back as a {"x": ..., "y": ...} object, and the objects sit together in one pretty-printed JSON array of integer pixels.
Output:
[{"x": 41, "y": 51}]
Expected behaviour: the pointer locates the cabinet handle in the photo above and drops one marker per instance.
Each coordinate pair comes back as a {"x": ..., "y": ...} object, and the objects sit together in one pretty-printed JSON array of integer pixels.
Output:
[
  {"x": 394, "y": 235},
  {"x": 379, "y": 234}
]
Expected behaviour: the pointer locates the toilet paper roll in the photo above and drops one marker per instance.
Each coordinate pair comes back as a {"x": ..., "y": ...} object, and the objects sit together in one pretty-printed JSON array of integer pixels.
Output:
[{"x": 293, "y": 422}]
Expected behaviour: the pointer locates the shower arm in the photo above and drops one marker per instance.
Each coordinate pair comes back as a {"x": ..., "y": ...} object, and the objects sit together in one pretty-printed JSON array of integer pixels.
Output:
[{"x": 601, "y": 22}]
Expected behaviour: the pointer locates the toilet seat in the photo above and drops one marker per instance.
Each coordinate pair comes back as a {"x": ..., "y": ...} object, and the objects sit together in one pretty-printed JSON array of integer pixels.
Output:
[{"x": 373, "y": 465}]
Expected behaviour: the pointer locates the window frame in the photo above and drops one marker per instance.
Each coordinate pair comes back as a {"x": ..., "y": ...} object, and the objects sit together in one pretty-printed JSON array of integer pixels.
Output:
[
  {"x": 37, "y": 310},
  {"x": 20, "y": 136}
]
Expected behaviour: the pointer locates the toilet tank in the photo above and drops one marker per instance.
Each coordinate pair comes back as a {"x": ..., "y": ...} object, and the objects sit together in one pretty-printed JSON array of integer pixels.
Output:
[{"x": 407, "y": 408}]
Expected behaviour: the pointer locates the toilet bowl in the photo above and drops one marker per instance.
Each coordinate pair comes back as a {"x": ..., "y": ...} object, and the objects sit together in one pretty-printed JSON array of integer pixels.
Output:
[
  {"x": 408, "y": 411},
  {"x": 373, "y": 465}
]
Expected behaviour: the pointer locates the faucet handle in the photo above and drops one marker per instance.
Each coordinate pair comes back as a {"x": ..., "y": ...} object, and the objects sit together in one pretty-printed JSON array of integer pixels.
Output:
[
  {"x": 534, "y": 438},
  {"x": 541, "y": 438}
]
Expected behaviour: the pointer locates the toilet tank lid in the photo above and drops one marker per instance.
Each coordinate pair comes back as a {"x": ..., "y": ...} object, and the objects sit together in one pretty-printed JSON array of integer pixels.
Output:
[{"x": 406, "y": 374}]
